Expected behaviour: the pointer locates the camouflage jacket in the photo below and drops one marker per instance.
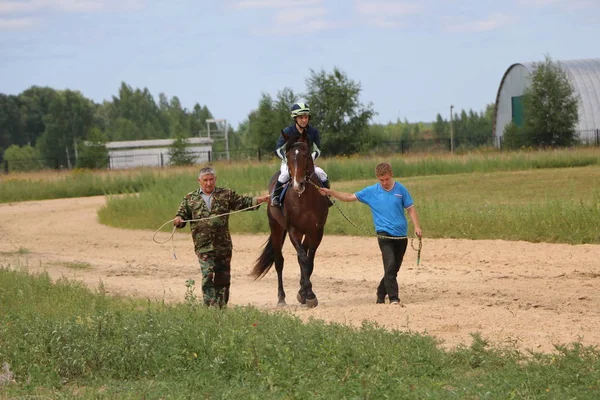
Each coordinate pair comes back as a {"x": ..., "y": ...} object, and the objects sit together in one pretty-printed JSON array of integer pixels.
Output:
[{"x": 212, "y": 234}]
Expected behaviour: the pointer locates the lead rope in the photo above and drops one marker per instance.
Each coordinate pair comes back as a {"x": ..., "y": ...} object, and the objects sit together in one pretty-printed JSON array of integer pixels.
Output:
[{"x": 191, "y": 220}]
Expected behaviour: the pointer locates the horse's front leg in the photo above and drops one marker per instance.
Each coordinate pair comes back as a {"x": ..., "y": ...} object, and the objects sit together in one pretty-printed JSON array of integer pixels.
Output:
[
  {"x": 311, "y": 247},
  {"x": 306, "y": 294}
]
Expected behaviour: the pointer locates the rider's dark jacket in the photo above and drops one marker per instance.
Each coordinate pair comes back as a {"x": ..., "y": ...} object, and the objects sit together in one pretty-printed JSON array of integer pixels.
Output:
[{"x": 313, "y": 135}]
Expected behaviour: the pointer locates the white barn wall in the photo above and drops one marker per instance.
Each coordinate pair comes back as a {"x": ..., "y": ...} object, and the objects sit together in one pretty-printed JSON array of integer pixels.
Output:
[
  {"x": 513, "y": 84},
  {"x": 153, "y": 153}
]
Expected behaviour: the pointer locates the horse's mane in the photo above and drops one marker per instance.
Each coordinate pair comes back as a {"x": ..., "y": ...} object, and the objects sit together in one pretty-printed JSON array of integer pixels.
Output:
[{"x": 296, "y": 138}]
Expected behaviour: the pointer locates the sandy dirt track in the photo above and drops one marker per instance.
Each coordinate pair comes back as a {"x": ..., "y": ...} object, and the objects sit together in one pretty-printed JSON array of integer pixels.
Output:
[{"x": 517, "y": 294}]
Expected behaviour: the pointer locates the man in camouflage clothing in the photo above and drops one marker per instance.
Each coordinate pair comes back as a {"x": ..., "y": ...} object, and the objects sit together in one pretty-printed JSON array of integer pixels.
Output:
[{"x": 212, "y": 241}]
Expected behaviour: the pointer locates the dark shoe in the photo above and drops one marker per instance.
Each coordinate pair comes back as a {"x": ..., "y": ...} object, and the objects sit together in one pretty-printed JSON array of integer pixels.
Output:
[
  {"x": 380, "y": 300},
  {"x": 275, "y": 202}
]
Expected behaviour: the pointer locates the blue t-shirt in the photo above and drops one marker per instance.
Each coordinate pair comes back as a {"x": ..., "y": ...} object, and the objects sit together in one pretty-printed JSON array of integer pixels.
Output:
[{"x": 387, "y": 207}]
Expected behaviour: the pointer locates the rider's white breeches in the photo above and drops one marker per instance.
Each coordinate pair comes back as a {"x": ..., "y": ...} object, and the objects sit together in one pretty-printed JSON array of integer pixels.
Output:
[{"x": 284, "y": 173}]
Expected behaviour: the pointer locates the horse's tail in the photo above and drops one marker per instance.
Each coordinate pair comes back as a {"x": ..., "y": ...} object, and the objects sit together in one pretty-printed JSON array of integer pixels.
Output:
[{"x": 265, "y": 261}]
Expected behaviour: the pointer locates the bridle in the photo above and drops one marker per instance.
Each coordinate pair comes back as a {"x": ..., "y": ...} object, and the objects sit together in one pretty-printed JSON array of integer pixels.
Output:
[{"x": 307, "y": 174}]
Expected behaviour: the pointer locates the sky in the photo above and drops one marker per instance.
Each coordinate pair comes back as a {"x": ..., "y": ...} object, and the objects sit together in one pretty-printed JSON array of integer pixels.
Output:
[{"x": 413, "y": 59}]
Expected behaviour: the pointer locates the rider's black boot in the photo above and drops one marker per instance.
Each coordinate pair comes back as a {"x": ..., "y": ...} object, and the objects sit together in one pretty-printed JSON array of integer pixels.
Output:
[{"x": 276, "y": 193}]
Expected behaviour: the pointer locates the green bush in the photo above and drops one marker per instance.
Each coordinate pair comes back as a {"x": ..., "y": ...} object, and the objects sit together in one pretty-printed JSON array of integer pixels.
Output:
[{"x": 22, "y": 159}]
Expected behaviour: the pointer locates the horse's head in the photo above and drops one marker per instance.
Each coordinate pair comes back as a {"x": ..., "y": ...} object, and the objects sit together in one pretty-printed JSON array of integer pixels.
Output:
[{"x": 299, "y": 160}]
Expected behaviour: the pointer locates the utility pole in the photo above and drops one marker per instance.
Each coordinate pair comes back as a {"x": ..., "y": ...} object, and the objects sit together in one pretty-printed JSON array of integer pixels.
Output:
[{"x": 451, "y": 131}]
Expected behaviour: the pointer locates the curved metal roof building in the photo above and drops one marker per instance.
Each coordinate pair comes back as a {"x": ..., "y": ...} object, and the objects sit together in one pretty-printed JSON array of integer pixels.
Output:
[{"x": 584, "y": 76}]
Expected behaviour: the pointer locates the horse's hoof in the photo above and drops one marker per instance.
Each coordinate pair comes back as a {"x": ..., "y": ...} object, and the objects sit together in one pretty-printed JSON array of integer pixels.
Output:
[
  {"x": 301, "y": 299},
  {"x": 312, "y": 303},
  {"x": 281, "y": 303}
]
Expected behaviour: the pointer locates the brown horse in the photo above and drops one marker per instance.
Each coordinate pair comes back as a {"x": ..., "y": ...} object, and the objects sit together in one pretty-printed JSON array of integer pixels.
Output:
[{"x": 303, "y": 214}]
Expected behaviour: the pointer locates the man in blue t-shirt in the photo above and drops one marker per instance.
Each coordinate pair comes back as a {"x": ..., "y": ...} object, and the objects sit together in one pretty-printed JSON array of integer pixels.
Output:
[{"x": 387, "y": 199}]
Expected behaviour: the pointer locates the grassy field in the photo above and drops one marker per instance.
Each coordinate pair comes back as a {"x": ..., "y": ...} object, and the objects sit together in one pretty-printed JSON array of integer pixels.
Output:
[
  {"x": 546, "y": 196},
  {"x": 63, "y": 341},
  {"x": 538, "y": 205}
]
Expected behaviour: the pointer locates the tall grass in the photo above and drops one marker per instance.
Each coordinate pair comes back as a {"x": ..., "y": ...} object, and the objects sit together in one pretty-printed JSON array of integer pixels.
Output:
[
  {"x": 546, "y": 205},
  {"x": 62, "y": 341},
  {"x": 551, "y": 196},
  {"x": 79, "y": 183},
  {"x": 254, "y": 176}
]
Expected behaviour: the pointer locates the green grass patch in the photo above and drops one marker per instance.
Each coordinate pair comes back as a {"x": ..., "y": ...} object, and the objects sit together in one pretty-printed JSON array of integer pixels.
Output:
[
  {"x": 81, "y": 265},
  {"x": 20, "y": 252},
  {"x": 254, "y": 176},
  {"x": 538, "y": 196},
  {"x": 542, "y": 205},
  {"x": 63, "y": 341}
]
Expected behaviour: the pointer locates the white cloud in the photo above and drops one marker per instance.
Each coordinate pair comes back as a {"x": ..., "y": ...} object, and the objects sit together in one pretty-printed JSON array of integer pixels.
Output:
[
  {"x": 299, "y": 15},
  {"x": 70, "y": 6},
  {"x": 563, "y": 4},
  {"x": 495, "y": 21},
  {"x": 9, "y": 24},
  {"x": 311, "y": 19},
  {"x": 274, "y": 3},
  {"x": 538, "y": 2},
  {"x": 387, "y": 8},
  {"x": 386, "y": 14},
  {"x": 383, "y": 22}
]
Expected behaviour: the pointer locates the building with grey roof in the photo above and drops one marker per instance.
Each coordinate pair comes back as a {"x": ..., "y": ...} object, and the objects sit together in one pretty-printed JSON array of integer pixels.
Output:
[
  {"x": 154, "y": 153},
  {"x": 584, "y": 76}
]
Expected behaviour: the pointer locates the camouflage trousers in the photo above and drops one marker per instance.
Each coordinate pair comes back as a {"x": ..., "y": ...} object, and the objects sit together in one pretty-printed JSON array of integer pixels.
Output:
[{"x": 216, "y": 276}]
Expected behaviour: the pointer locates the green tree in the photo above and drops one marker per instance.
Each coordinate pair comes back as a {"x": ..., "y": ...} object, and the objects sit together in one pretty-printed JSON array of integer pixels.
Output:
[
  {"x": 336, "y": 110},
  {"x": 266, "y": 122},
  {"x": 24, "y": 158},
  {"x": 35, "y": 105},
  {"x": 179, "y": 153},
  {"x": 441, "y": 128},
  {"x": 93, "y": 152},
  {"x": 145, "y": 120},
  {"x": 124, "y": 129},
  {"x": 197, "y": 120},
  {"x": 514, "y": 137},
  {"x": 68, "y": 121},
  {"x": 416, "y": 129},
  {"x": 550, "y": 105},
  {"x": 11, "y": 124}
]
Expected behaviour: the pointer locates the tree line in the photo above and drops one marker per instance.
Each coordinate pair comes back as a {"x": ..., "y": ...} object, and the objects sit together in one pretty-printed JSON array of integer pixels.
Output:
[
  {"x": 66, "y": 129},
  {"x": 55, "y": 127}
]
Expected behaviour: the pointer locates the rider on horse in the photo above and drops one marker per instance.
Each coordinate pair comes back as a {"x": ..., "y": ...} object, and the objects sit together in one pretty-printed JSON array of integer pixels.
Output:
[{"x": 301, "y": 116}]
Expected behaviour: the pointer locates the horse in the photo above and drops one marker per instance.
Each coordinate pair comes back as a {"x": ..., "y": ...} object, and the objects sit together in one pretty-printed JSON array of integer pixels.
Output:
[{"x": 303, "y": 214}]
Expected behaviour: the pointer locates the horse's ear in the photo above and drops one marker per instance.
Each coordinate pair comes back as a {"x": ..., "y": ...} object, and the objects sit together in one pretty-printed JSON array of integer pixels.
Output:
[{"x": 285, "y": 136}]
